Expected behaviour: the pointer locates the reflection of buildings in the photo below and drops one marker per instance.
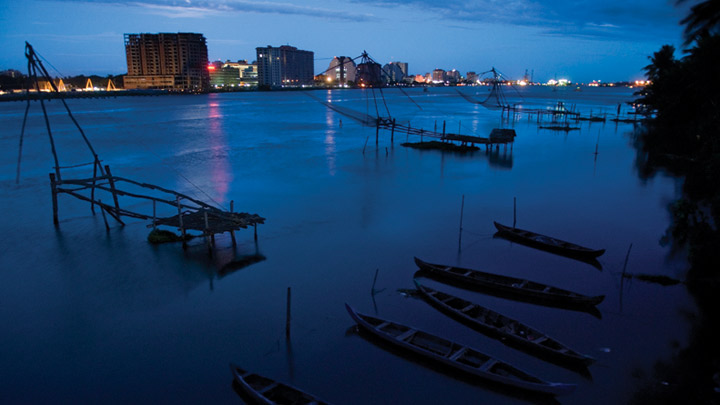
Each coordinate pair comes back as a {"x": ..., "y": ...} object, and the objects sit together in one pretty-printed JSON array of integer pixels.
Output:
[
  {"x": 285, "y": 66},
  {"x": 167, "y": 61},
  {"x": 342, "y": 70},
  {"x": 232, "y": 74}
]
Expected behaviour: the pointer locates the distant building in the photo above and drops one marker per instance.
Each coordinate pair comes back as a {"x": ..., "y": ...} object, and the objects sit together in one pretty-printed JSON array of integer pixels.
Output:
[
  {"x": 393, "y": 72},
  {"x": 285, "y": 66},
  {"x": 233, "y": 74},
  {"x": 369, "y": 74},
  {"x": 452, "y": 76},
  {"x": 403, "y": 67},
  {"x": 167, "y": 61},
  {"x": 438, "y": 76},
  {"x": 471, "y": 77},
  {"x": 342, "y": 70}
]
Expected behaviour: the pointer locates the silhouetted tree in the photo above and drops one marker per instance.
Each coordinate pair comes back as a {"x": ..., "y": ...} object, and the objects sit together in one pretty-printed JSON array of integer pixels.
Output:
[{"x": 703, "y": 20}]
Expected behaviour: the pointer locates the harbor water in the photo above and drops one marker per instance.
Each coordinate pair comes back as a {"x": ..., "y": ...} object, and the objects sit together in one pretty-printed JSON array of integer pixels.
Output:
[{"x": 96, "y": 315}]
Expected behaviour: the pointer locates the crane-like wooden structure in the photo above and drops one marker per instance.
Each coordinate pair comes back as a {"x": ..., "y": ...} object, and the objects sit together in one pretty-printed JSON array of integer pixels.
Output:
[{"x": 192, "y": 214}]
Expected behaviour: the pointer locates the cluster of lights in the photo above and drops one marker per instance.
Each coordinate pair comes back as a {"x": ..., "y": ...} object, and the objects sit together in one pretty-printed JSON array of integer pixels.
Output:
[{"x": 561, "y": 82}]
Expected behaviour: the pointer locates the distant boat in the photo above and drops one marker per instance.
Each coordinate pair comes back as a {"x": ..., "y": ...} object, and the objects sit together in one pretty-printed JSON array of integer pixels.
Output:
[
  {"x": 507, "y": 330},
  {"x": 548, "y": 243},
  {"x": 512, "y": 287},
  {"x": 266, "y": 391},
  {"x": 455, "y": 355}
]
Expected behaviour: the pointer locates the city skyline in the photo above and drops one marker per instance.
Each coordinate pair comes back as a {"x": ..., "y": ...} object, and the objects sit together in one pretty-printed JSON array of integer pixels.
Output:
[{"x": 579, "y": 41}]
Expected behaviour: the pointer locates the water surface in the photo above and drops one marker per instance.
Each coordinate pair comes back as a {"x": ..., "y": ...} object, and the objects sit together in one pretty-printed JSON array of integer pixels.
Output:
[{"x": 102, "y": 316}]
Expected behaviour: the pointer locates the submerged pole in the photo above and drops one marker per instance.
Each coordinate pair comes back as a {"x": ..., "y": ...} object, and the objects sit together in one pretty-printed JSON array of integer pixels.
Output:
[
  {"x": 53, "y": 189},
  {"x": 180, "y": 219}
]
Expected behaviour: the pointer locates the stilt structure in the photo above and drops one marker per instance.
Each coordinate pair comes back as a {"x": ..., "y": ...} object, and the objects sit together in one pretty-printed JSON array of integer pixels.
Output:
[{"x": 192, "y": 214}]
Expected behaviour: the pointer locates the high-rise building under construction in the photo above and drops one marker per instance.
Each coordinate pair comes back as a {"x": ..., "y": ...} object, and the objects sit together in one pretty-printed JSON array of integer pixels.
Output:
[{"x": 176, "y": 61}]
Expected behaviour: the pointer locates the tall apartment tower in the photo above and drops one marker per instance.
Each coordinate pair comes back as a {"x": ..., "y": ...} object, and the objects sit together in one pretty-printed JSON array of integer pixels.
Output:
[
  {"x": 285, "y": 66},
  {"x": 342, "y": 69},
  {"x": 167, "y": 61}
]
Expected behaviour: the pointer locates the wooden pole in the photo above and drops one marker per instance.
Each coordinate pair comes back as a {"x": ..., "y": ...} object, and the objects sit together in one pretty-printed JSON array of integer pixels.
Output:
[
  {"x": 392, "y": 132},
  {"x": 114, "y": 194},
  {"x": 443, "y": 135},
  {"x": 53, "y": 190},
  {"x": 180, "y": 219},
  {"x": 92, "y": 190},
  {"x": 102, "y": 210},
  {"x": 514, "y": 211},
  {"x": 207, "y": 232},
  {"x": 232, "y": 232},
  {"x": 377, "y": 132},
  {"x": 255, "y": 225},
  {"x": 287, "y": 315}
]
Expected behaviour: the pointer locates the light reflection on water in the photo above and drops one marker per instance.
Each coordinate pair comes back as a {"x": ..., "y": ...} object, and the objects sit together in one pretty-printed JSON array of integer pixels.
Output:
[{"x": 130, "y": 322}]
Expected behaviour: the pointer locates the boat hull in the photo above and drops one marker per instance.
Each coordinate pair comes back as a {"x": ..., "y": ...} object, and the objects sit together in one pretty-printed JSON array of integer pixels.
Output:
[
  {"x": 268, "y": 392},
  {"x": 503, "y": 328},
  {"x": 511, "y": 287},
  {"x": 459, "y": 357},
  {"x": 548, "y": 243}
]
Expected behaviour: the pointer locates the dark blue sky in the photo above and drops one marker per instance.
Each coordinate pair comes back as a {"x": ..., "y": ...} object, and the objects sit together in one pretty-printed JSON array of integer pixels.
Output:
[{"x": 580, "y": 40}]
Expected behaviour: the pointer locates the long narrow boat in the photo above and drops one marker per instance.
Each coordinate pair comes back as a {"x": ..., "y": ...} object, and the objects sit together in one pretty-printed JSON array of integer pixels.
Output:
[
  {"x": 548, "y": 243},
  {"x": 455, "y": 355},
  {"x": 511, "y": 286},
  {"x": 508, "y": 330},
  {"x": 266, "y": 391}
]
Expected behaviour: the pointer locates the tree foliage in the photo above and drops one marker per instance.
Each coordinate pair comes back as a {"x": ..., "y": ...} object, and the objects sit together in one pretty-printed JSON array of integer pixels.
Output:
[{"x": 682, "y": 131}]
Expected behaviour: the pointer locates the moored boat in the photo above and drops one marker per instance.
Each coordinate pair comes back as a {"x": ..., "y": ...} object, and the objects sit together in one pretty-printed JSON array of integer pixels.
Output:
[
  {"x": 267, "y": 391},
  {"x": 455, "y": 355},
  {"x": 511, "y": 286},
  {"x": 548, "y": 243},
  {"x": 508, "y": 330}
]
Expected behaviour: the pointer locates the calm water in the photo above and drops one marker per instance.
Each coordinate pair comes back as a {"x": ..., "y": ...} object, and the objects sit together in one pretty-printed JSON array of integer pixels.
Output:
[{"x": 96, "y": 316}]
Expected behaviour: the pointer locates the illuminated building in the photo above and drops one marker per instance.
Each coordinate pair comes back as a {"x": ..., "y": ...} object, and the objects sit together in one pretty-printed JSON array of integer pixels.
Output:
[
  {"x": 233, "y": 74},
  {"x": 285, "y": 66},
  {"x": 452, "y": 76},
  {"x": 342, "y": 69},
  {"x": 167, "y": 61},
  {"x": 438, "y": 75}
]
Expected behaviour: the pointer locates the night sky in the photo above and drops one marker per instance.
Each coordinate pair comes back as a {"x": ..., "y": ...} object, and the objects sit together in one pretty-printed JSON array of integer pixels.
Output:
[{"x": 607, "y": 40}]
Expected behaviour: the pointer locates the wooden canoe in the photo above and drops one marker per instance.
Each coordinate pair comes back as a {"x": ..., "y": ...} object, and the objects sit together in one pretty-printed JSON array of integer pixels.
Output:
[
  {"x": 548, "y": 243},
  {"x": 455, "y": 355},
  {"x": 511, "y": 286},
  {"x": 496, "y": 325},
  {"x": 266, "y": 391}
]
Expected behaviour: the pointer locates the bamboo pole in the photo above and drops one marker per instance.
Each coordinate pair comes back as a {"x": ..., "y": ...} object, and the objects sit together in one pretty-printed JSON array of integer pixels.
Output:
[
  {"x": 22, "y": 135},
  {"x": 92, "y": 190},
  {"x": 102, "y": 210},
  {"x": 114, "y": 193},
  {"x": 53, "y": 190},
  {"x": 182, "y": 228},
  {"x": 232, "y": 232}
]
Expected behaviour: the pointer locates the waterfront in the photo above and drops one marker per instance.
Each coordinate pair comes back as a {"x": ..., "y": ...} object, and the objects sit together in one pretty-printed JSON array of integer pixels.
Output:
[{"x": 96, "y": 316}]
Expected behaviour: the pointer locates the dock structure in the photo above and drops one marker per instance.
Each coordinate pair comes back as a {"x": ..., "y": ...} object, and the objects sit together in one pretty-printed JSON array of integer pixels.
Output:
[
  {"x": 497, "y": 136},
  {"x": 188, "y": 213}
]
